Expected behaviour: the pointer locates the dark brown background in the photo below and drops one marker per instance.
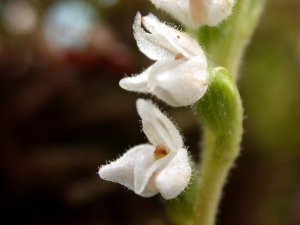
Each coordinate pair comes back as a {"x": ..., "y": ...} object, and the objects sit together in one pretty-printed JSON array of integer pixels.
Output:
[{"x": 62, "y": 115}]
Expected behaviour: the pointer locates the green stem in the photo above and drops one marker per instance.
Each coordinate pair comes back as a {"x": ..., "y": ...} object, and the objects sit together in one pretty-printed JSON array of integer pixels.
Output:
[
  {"x": 221, "y": 109},
  {"x": 221, "y": 112},
  {"x": 225, "y": 44},
  {"x": 214, "y": 170}
]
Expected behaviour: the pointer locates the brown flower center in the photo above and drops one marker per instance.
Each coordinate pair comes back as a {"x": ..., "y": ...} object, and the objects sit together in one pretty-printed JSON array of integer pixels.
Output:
[
  {"x": 160, "y": 151},
  {"x": 179, "y": 56}
]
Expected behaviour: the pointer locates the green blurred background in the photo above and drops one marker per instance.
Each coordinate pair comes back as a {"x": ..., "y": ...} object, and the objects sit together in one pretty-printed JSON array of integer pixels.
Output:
[{"x": 63, "y": 115}]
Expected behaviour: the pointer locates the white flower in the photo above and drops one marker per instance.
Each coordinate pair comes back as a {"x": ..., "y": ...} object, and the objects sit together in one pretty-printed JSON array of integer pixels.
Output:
[
  {"x": 195, "y": 13},
  {"x": 161, "y": 166},
  {"x": 179, "y": 77}
]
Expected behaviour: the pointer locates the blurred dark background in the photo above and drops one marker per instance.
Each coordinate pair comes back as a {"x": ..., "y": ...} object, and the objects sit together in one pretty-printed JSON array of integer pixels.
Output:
[{"x": 62, "y": 115}]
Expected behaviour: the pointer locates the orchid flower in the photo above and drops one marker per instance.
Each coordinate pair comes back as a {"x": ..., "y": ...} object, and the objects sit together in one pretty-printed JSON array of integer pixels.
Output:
[
  {"x": 194, "y": 13},
  {"x": 179, "y": 76},
  {"x": 159, "y": 167}
]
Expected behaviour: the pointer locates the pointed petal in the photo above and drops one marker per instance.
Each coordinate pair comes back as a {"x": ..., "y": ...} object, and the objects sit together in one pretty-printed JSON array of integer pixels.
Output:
[
  {"x": 157, "y": 127},
  {"x": 148, "y": 43},
  {"x": 122, "y": 170},
  {"x": 180, "y": 82},
  {"x": 136, "y": 83},
  {"x": 174, "y": 178}
]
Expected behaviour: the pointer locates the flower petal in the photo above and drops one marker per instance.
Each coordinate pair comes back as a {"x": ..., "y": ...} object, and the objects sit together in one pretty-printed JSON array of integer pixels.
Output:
[
  {"x": 136, "y": 83},
  {"x": 210, "y": 12},
  {"x": 178, "y": 9},
  {"x": 218, "y": 11},
  {"x": 174, "y": 178},
  {"x": 198, "y": 11},
  {"x": 148, "y": 43},
  {"x": 172, "y": 39},
  {"x": 157, "y": 127},
  {"x": 122, "y": 170},
  {"x": 146, "y": 166},
  {"x": 180, "y": 82},
  {"x": 163, "y": 41}
]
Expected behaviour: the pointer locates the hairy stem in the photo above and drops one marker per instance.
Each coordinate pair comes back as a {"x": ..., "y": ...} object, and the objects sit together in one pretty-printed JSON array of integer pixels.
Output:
[
  {"x": 214, "y": 170},
  {"x": 220, "y": 110}
]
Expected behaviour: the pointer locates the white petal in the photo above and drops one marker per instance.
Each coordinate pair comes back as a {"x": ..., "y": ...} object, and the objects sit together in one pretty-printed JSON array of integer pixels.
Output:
[
  {"x": 210, "y": 12},
  {"x": 174, "y": 178},
  {"x": 136, "y": 83},
  {"x": 180, "y": 82},
  {"x": 150, "y": 44},
  {"x": 178, "y": 9},
  {"x": 157, "y": 127},
  {"x": 145, "y": 167},
  {"x": 163, "y": 41},
  {"x": 155, "y": 68},
  {"x": 218, "y": 11},
  {"x": 190, "y": 45},
  {"x": 176, "y": 41},
  {"x": 199, "y": 11},
  {"x": 122, "y": 170}
]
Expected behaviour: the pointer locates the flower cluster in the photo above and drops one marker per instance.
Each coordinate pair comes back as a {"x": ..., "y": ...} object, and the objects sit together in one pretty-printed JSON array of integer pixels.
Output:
[{"x": 179, "y": 77}]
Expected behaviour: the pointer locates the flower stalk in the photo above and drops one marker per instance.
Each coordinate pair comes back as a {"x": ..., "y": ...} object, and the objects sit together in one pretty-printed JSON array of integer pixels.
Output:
[{"x": 220, "y": 110}]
